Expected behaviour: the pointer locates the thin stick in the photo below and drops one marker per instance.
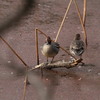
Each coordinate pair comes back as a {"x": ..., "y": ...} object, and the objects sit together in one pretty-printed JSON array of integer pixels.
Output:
[
  {"x": 36, "y": 44},
  {"x": 25, "y": 85},
  {"x": 59, "y": 46},
  {"x": 85, "y": 35},
  {"x": 41, "y": 32},
  {"x": 37, "y": 49},
  {"x": 13, "y": 51},
  {"x": 84, "y": 12},
  {"x": 67, "y": 52},
  {"x": 67, "y": 10}
]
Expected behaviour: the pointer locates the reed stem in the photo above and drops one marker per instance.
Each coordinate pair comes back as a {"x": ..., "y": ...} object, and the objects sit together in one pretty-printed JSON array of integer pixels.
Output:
[{"x": 61, "y": 25}]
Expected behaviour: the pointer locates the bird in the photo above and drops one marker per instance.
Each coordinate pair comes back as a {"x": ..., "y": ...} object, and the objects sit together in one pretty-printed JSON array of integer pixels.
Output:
[
  {"x": 50, "y": 49},
  {"x": 77, "y": 46}
]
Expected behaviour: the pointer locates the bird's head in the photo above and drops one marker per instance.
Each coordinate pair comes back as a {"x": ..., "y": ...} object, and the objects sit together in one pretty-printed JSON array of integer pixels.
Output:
[
  {"x": 77, "y": 37},
  {"x": 48, "y": 40}
]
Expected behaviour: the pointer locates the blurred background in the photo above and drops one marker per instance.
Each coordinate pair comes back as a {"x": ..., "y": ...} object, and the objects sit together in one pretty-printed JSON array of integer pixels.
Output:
[{"x": 18, "y": 20}]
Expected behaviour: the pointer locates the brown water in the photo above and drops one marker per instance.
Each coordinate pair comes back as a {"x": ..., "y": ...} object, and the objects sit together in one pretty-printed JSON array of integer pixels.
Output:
[{"x": 79, "y": 83}]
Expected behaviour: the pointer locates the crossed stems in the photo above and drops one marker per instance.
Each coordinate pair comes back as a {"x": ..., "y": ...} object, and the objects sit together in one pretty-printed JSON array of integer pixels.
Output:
[
  {"x": 85, "y": 38},
  {"x": 36, "y": 33},
  {"x": 80, "y": 17},
  {"x": 37, "y": 52},
  {"x": 82, "y": 23},
  {"x": 26, "y": 77},
  {"x": 61, "y": 25}
]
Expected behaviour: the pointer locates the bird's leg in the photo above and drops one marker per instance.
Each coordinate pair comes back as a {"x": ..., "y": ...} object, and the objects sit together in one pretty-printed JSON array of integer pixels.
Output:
[
  {"x": 82, "y": 63},
  {"x": 52, "y": 59}
]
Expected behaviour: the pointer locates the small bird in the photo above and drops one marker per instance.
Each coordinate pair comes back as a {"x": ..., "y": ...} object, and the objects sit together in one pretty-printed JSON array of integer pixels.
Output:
[
  {"x": 77, "y": 46},
  {"x": 50, "y": 49}
]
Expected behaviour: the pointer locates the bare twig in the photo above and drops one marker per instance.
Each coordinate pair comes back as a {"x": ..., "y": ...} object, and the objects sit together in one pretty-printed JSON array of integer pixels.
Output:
[
  {"x": 37, "y": 50},
  {"x": 67, "y": 10},
  {"x": 25, "y": 85},
  {"x": 26, "y": 78},
  {"x": 85, "y": 35},
  {"x": 13, "y": 51},
  {"x": 41, "y": 32},
  {"x": 84, "y": 12},
  {"x": 36, "y": 44},
  {"x": 57, "y": 64},
  {"x": 67, "y": 52}
]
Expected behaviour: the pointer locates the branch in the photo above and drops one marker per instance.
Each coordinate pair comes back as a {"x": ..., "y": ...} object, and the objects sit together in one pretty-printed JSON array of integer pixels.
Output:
[{"x": 57, "y": 64}]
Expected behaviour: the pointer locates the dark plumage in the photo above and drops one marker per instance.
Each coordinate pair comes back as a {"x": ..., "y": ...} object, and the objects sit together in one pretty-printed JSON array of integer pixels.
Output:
[{"x": 77, "y": 46}]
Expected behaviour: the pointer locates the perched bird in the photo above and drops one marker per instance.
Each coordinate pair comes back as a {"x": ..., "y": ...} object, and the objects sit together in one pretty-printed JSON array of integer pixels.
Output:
[
  {"x": 77, "y": 46},
  {"x": 50, "y": 49}
]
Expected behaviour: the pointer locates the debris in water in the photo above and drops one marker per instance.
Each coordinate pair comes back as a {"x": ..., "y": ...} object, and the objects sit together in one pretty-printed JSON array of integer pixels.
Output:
[
  {"x": 99, "y": 74},
  {"x": 12, "y": 73},
  {"x": 79, "y": 66},
  {"x": 80, "y": 79},
  {"x": 89, "y": 70},
  {"x": 9, "y": 61}
]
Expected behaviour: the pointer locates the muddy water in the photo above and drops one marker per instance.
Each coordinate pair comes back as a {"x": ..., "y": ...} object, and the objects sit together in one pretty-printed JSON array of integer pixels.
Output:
[{"x": 80, "y": 83}]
